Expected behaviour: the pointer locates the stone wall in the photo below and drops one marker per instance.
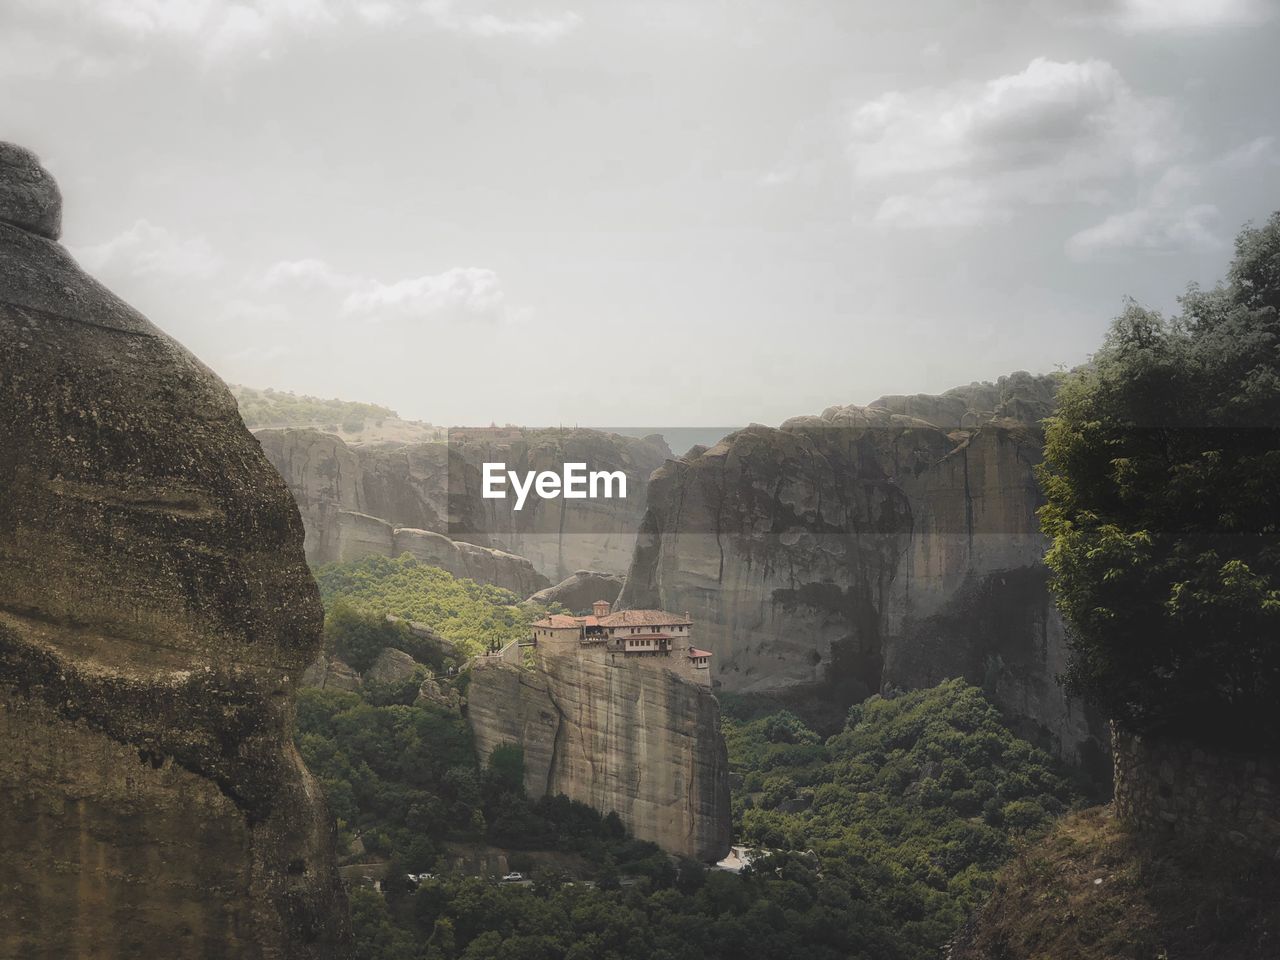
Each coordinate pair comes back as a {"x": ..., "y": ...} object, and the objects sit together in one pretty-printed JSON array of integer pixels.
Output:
[{"x": 1176, "y": 786}]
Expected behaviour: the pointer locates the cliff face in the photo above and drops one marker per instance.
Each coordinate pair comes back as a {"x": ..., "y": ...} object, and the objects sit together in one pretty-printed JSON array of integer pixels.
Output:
[
  {"x": 580, "y": 591},
  {"x": 615, "y": 734},
  {"x": 155, "y": 613},
  {"x": 867, "y": 549},
  {"x": 437, "y": 488}
]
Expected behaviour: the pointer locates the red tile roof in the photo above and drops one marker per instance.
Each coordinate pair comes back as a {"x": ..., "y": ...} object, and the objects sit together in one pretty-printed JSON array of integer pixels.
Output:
[
  {"x": 644, "y": 618},
  {"x": 695, "y": 652},
  {"x": 558, "y": 621}
]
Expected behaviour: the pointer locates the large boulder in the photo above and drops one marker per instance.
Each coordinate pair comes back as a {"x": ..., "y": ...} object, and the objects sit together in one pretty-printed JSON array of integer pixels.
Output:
[
  {"x": 578, "y": 592},
  {"x": 391, "y": 666},
  {"x": 156, "y": 613}
]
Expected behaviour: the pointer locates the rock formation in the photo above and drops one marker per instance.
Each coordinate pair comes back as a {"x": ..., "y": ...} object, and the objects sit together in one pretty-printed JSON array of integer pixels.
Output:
[
  {"x": 155, "y": 614},
  {"x": 389, "y": 498},
  {"x": 617, "y": 734},
  {"x": 578, "y": 592},
  {"x": 867, "y": 549},
  {"x": 391, "y": 666},
  {"x": 330, "y": 673}
]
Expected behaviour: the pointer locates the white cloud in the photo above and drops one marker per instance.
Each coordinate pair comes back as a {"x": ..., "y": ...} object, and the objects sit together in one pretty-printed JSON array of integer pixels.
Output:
[
  {"x": 306, "y": 273},
  {"x": 1055, "y": 132},
  {"x": 34, "y": 31},
  {"x": 1169, "y": 215},
  {"x": 541, "y": 28},
  {"x": 148, "y": 251},
  {"x": 1164, "y": 223},
  {"x": 471, "y": 292},
  {"x": 1164, "y": 15},
  {"x": 945, "y": 203}
]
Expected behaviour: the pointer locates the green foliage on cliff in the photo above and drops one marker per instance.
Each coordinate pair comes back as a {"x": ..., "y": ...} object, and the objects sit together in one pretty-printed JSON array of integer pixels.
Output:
[
  {"x": 401, "y": 777},
  {"x": 897, "y": 826},
  {"x": 277, "y": 408},
  {"x": 1162, "y": 471},
  {"x": 472, "y": 615},
  {"x": 914, "y": 805}
]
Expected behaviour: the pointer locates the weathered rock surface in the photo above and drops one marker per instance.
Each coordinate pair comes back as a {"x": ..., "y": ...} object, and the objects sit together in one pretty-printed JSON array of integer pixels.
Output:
[
  {"x": 578, "y": 592},
  {"x": 482, "y": 564},
  {"x": 391, "y": 666},
  {"x": 330, "y": 673},
  {"x": 431, "y": 692},
  {"x": 437, "y": 488},
  {"x": 155, "y": 614},
  {"x": 866, "y": 549},
  {"x": 618, "y": 735}
]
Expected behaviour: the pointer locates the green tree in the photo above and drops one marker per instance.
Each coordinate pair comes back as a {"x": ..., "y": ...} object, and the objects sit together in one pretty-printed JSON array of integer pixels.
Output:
[{"x": 1162, "y": 474}]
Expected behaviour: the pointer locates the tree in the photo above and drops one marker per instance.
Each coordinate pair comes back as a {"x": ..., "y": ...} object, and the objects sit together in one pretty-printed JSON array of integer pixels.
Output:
[{"x": 1162, "y": 475}]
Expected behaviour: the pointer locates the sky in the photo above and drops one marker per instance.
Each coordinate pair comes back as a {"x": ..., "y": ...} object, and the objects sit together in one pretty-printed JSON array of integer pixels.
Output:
[{"x": 677, "y": 212}]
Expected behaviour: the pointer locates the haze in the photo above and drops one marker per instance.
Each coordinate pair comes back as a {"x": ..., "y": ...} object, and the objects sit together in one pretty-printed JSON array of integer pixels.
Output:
[{"x": 658, "y": 212}]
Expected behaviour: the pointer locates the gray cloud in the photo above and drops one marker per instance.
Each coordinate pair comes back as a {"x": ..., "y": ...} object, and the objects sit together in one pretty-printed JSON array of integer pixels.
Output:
[
  {"x": 753, "y": 209},
  {"x": 975, "y": 152}
]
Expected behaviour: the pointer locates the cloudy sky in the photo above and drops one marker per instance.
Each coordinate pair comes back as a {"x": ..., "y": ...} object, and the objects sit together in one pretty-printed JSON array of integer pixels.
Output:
[{"x": 656, "y": 212}]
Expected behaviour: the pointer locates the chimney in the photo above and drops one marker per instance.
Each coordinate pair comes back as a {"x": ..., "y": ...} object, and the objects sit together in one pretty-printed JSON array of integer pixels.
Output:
[{"x": 600, "y": 608}]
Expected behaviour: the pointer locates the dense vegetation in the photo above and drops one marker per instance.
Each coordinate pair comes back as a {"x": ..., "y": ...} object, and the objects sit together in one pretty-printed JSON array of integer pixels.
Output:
[
  {"x": 472, "y": 615},
  {"x": 879, "y": 839},
  {"x": 277, "y": 408},
  {"x": 1162, "y": 474},
  {"x": 912, "y": 806}
]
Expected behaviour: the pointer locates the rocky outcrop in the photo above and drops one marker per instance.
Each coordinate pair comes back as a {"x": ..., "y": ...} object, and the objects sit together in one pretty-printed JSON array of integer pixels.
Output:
[
  {"x": 155, "y": 614},
  {"x": 867, "y": 549},
  {"x": 482, "y": 564},
  {"x": 437, "y": 488},
  {"x": 578, "y": 592},
  {"x": 431, "y": 692},
  {"x": 330, "y": 673},
  {"x": 618, "y": 734},
  {"x": 391, "y": 666}
]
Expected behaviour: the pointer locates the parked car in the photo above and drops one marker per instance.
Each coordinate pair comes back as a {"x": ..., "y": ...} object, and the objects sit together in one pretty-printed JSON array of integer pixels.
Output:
[{"x": 513, "y": 877}]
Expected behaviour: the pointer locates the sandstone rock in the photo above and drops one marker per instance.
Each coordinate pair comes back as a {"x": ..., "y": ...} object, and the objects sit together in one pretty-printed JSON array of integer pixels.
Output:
[
  {"x": 391, "y": 666},
  {"x": 578, "y": 592},
  {"x": 424, "y": 633},
  {"x": 359, "y": 535},
  {"x": 437, "y": 488},
  {"x": 29, "y": 196},
  {"x": 481, "y": 564},
  {"x": 155, "y": 615},
  {"x": 432, "y": 692},
  {"x": 330, "y": 673},
  {"x": 617, "y": 734},
  {"x": 866, "y": 549}
]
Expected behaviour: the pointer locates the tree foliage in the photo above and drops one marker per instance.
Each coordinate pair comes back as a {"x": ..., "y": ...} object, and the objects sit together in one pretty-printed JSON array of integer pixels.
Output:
[
  {"x": 1162, "y": 473},
  {"x": 473, "y": 616},
  {"x": 878, "y": 842},
  {"x": 279, "y": 408}
]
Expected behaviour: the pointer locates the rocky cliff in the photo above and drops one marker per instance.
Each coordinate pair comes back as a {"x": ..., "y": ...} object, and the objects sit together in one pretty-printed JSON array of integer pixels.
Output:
[
  {"x": 155, "y": 613},
  {"x": 357, "y": 499},
  {"x": 617, "y": 734},
  {"x": 894, "y": 545},
  {"x": 578, "y": 592}
]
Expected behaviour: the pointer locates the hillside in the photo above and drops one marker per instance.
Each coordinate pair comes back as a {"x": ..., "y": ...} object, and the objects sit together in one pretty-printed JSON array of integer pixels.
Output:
[
  {"x": 351, "y": 420},
  {"x": 1093, "y": 890}
]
